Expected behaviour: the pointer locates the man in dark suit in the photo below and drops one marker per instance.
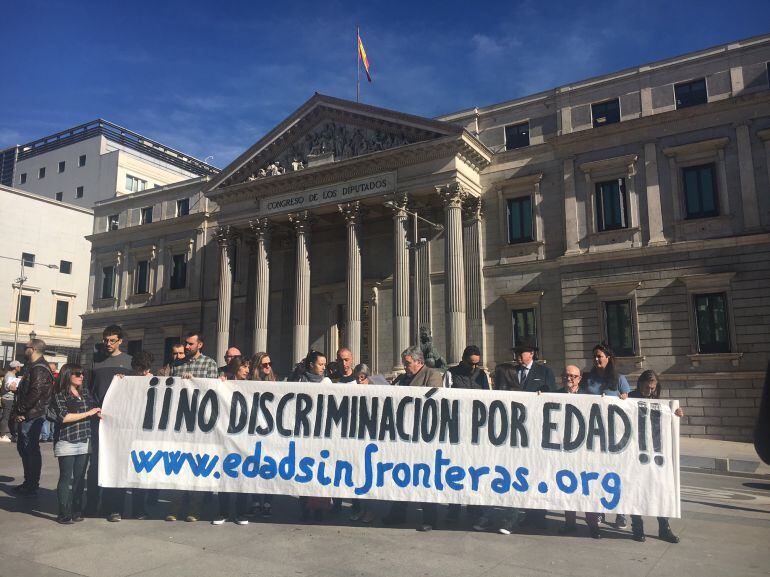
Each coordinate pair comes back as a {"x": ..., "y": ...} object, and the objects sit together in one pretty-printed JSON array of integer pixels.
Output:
[
  {"x": 525, "y": 374},
  {"x": 528, "y": 376}
]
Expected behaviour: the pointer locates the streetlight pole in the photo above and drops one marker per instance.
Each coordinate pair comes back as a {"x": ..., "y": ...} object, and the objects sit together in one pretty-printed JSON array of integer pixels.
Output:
[{"x": 20, "y": 283}]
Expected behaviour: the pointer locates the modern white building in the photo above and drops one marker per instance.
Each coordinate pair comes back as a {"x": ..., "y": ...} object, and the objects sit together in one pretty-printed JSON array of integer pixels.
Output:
[
  {"x": 93, "y": 162},
  {"x": 44, "y": 244}
]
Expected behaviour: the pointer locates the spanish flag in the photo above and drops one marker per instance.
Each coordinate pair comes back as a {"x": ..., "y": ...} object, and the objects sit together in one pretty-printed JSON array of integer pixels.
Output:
[{"x": 364, "y": 59}]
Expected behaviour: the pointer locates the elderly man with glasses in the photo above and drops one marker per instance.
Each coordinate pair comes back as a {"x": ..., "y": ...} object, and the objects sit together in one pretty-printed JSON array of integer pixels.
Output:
[{"x": 570, "y": 380}]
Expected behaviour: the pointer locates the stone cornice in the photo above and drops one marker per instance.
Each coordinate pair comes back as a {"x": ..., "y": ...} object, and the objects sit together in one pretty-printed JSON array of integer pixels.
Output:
[
  {"x": 518, "y": 182},
  {"x": 463, "y": 146},
  {"x": 696, "y": 147},
  {"x": 607, "y": 164},
  {"x": 149, "y": 231}
]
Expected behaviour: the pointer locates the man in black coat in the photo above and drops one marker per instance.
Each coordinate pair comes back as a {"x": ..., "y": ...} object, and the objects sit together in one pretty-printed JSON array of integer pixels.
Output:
[{"x": 528, "y": 376}]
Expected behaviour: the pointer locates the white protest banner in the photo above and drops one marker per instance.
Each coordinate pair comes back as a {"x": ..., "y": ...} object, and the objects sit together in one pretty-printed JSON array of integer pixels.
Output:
[{"x": 549, "y": 451}]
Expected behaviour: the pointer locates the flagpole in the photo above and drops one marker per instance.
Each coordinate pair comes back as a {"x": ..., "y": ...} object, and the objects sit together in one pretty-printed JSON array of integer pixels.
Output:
[{"x": 358, "y": 64}]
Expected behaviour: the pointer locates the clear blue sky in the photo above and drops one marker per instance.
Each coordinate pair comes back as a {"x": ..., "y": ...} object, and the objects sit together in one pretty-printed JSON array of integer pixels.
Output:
[{"x": 211, "y": 78}]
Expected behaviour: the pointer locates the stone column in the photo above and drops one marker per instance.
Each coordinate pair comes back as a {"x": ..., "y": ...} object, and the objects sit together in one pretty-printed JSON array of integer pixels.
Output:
[
  {"x": 352, "y": 213},
  {"x": 570, "y": 209},
  {"x": 748, "y": 182},
  {"x": 474, "y": 278},
  {"x": 301, "y": 334},
  {"x": 453, "y": 196},
  {"x": 224, "y": 236},
  {"x": 260, "y": 231},
  {"x": 652, "y": 179},
  {"x": 400, "y": 280}
]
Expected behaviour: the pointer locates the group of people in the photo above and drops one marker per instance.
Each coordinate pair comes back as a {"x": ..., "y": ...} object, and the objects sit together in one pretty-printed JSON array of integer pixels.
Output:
[{"x": 72, "y": 401}]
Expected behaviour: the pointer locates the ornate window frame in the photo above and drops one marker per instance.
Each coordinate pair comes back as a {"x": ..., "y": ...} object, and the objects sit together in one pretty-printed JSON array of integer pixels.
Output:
[
  {"x": 614, "y": 291},
  {"x": 517, "y": 187},
  {"x": 526, "y": 300},
  {"x": 711, "y": 283},
  {"x": 694, "y": 154},
  {"x": 609, "y": 169}
]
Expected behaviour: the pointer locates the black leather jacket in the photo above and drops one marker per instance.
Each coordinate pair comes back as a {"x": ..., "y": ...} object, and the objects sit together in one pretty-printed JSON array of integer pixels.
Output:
[{"x": 34, "y": 391}]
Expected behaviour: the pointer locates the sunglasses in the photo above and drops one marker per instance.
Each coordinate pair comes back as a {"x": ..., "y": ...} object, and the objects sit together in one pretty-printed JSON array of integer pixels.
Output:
[
  {"x": 266, "y": 365},
  {"x": 77, "y": 373}
]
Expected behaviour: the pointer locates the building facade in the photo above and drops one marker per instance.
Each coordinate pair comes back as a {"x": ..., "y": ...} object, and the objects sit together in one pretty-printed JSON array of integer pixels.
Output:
[
  {"x": 633, "y": 208},
  {"x": 44, "y": 243},
  {"x": 93, "y": 162}
]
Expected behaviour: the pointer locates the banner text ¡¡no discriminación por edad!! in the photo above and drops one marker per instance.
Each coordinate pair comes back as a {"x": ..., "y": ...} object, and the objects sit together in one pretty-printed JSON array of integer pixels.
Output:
[{"x": 548, "y": 451}]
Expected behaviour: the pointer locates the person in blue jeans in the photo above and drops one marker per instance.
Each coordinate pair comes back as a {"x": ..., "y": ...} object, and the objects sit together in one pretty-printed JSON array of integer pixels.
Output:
[
  {"x": 604, "y": 379},
  {"x": 28, "y": 414}
]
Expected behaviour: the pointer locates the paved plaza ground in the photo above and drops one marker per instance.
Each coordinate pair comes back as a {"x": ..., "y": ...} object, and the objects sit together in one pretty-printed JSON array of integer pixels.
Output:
[{"x": 725, "y": 530}]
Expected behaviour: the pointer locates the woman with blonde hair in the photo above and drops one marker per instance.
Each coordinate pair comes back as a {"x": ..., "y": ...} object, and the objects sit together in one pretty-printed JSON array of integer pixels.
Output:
[{"x": 262, "y": 368}]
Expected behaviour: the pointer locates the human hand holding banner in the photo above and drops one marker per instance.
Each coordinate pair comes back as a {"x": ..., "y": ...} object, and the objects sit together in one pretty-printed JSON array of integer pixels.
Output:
[{"x": 548, "y": 451}]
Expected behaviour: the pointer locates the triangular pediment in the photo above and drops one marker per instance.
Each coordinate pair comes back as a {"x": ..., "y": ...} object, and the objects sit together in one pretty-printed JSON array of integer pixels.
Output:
[{"x": 326, "y": 130}]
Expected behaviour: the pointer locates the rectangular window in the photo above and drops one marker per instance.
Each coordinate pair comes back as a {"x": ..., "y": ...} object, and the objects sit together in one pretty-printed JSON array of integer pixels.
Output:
[
  {"x": 524, "y": 325},
  {"x": 59, "y": 196},
  {"x": 606, "y": 112},
  {"x": 179, "y": 271},
  {"x": 82, "y": 160},
  {"x": 62, "y": 313},
  {"x": 28, "y": 259},
  {"x": 134, "y": 184},
  {"x": 113, "y": 221},
  {"x": 41, "y": 172},
  {"x": 134, "y": 346},
  {"x": 62, "y": 165},
  {"x": 79, "y": 192},
  {"x": 611, "y": 206},
  {"x": 23, "y": 178},
  {"x": 619, "y": 327},
  {"x": 700, "y": 191},
  {"x": 142, "y": 284},
  {"x": 168, "y": 342},
  {"x": 65, "y": 267},
  {"x": 517, "y": 136},
  {"x": 108, "y": 282},
  {"x": 145, "y": 215},
  {"x": 183, "y": 207},
  {"x": 712, "y": 323},
  {"x": 25, "y": 306},
  {"x": 520, "y": 220},
  {"x": 690, "y": 93}
]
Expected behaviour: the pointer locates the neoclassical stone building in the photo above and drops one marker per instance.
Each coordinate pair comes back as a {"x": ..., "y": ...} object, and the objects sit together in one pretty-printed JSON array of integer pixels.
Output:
[{"x": 632, "y": 208}]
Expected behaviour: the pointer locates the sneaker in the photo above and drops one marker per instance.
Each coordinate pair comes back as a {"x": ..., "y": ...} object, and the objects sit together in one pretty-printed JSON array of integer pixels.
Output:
[
  {"x": 241, "y": 521},
  {"x": 217, "y": 521},
  {"x": 425, "y": 527},
  {"x": 506, "y": 528},
  {"x": 620, "y": 522},
  {"x": 481, "y": 524},
  {"x": 267, "y": 510},
  {"x": 170, "y": 518},
  {"x": 64, "y": 520},
  {"x": 5, "y": 439},
  {"x": 666, "y": 534},
  {"x": 191, "y": 518},
  {"x": 114, "y": 517}
]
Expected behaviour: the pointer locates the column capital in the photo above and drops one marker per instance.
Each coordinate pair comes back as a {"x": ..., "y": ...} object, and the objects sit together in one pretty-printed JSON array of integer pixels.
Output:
[
  {"x": 260, "y": 228},
  {"x": 397, "y": 202},
  {"x": 452, "y": 195},
  {"x": 351, "y": 212},
  {"x": 225, "y": 235},
  {"x": 301, "y": 221},
  {"x": 473, "y": 209}
]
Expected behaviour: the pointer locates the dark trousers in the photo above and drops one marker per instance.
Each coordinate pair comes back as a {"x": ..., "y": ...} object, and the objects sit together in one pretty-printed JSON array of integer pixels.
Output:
[
  {"x": 72, "y": 483},
  {"x": 5, "y": 416},
  {"x": 474, "y": 511},
  {"x": 141, "y": 499},
  {"x": 186, "y": 503},
  {"x": 429, "y": 511},
  {"x": 112, "y": 499},
  {"x": 637, "y": 524},
  {"x": 28, "y": 445},
  {"x": 241, "y": 504}
]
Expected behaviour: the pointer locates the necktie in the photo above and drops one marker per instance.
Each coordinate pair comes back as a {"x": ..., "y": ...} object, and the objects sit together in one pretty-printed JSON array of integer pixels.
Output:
[{"x": 522, "y": 375}]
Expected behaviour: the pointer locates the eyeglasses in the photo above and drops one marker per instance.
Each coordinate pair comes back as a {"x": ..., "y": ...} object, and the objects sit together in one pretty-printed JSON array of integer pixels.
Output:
[
  {"x": 570, "y": 377},
  {"x": 110, "y": 341},
  {"x": 267, "y": 365},
  {"x": 77, "y": 373}
]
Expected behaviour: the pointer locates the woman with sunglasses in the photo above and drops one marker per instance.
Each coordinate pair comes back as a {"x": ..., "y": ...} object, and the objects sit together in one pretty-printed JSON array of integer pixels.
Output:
[
  {"x": 262, "y": 370},
  {"x": 72, "y": 407}
]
